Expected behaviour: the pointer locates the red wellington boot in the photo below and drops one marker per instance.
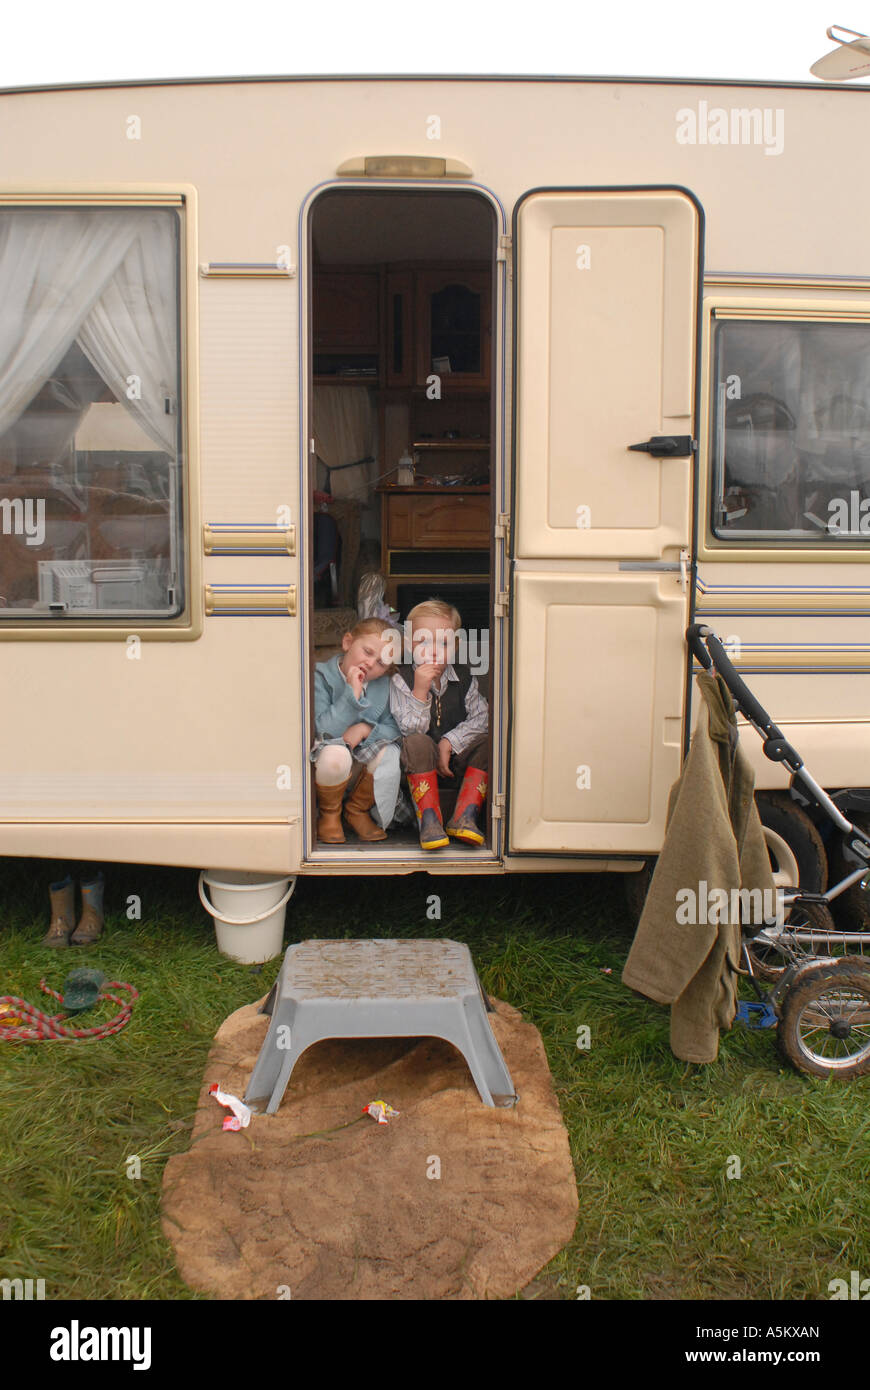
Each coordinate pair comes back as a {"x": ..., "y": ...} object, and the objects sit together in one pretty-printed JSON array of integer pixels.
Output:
[
  {"x": 464, "y": 824},
  {"x": 424, "y": 791}
]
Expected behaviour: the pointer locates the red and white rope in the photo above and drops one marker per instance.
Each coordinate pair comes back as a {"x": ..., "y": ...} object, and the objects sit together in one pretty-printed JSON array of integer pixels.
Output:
[{"x": 43, "y": 1027}]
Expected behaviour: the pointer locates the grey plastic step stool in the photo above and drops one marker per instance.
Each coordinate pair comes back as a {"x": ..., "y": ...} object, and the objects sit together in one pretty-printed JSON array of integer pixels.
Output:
[{"x": 376, "y": 989}]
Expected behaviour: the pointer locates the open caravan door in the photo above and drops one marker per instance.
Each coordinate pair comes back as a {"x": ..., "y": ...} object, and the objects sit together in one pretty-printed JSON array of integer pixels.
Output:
[{"x": 606, "y": 351}]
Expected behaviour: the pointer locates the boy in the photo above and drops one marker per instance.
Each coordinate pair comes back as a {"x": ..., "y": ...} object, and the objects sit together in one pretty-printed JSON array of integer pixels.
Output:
[
  {"x": 356, "y": 734},
  {"x": 443, "y": 719}
]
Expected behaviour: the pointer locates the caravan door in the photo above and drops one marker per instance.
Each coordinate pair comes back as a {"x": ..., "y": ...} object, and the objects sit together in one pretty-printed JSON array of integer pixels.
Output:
[{"x": 606, "y": 352}]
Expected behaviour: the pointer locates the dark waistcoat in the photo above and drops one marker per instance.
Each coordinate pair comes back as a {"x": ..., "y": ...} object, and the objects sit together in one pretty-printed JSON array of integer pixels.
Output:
[{"x": 452, "y": 702}]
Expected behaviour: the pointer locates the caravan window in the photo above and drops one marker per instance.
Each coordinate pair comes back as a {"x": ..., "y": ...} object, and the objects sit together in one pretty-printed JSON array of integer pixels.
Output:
[
  {"x": 791, "y": 431},
  {"x": 90, "y": 460}
]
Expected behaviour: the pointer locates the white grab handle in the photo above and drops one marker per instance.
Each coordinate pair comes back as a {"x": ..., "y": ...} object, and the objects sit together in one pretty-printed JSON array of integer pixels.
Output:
[{"x": 243, "y": 921}]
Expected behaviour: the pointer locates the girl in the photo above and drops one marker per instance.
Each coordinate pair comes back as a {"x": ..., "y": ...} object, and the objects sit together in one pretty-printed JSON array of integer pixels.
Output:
[{"x": 357, "y": 742}]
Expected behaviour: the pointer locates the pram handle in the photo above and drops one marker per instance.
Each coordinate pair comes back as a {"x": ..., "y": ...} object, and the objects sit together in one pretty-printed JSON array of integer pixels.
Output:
[
  {"x": 696, "y": 645},
  {"x": 708, "y": 649}
]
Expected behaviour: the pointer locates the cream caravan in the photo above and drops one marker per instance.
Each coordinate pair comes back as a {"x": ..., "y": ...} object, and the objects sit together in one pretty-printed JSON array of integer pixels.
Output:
[{"x": 590, "y": 359}]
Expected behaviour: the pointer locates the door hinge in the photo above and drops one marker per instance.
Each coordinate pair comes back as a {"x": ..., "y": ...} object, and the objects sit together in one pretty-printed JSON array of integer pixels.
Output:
[
  {"x": 505, "y": 247},
  {"x": 502, "y": 604},
  {"x": 503, "y": 529},
  {"x": 498, "y": 806}
]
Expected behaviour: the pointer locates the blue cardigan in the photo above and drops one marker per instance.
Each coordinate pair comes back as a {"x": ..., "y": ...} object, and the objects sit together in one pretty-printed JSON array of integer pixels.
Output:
[{"x": 336, "y": 708}]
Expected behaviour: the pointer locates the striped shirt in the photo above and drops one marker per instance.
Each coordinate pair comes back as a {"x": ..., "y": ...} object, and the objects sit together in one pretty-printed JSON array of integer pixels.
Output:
[{"x": 413, "y": 715}]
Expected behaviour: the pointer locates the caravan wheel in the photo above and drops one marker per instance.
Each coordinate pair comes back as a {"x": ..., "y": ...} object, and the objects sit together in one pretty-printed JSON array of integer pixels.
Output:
[
  {"x": 636, "y": 888},
  {"x": 824, "y": 1028},
  {"x": 852, "y": 908},
  {"x": 798, "y": 860},
  {"x": 797, "y": 853}
]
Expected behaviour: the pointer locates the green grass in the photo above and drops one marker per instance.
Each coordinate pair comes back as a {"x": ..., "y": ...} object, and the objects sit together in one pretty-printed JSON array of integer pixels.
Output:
[{"x": 651, "y": 1137}]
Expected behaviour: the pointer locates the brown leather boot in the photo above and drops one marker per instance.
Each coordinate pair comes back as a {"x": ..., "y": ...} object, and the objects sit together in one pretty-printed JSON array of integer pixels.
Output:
[
  {"x": 357, "y": 807},
  {"x": 329, "y": 813},
  {"x": 63, "y": 912}
]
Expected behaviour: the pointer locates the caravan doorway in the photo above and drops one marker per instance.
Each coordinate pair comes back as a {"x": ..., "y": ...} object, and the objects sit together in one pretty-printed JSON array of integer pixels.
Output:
[{"x": 401, "y": 483}]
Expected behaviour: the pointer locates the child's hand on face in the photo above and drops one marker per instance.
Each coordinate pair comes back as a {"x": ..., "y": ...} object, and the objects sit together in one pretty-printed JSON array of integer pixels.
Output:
[
  {"x": 355, "y": 733},
  {"x": 356, "y": 678},
  {"x": 445, "y": 750},
  {"x": 423, "y": 677}
]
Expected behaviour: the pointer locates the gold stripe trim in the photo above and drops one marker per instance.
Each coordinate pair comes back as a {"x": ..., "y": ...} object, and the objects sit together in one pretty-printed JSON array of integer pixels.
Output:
[
  {"x": 248, "y": 540},
  {"x": 725, "y": 605},
  {"x": 249, "y": 599},
  {"x": 715, "y": 551},
  {"x": 784, "y": 282},
  {"x": 801, "y": 661}
]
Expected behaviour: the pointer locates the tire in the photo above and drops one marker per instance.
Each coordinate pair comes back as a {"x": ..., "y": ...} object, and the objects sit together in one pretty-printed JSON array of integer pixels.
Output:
[
  {"x": 768, "y": 961},
  {"x": 826, "y": 996},
  {"x": 798, "y": 860},
  {"x": 852, "y": 908},
  {"x": 797, "y": 852},
  {"x": 636, "y": 888}
]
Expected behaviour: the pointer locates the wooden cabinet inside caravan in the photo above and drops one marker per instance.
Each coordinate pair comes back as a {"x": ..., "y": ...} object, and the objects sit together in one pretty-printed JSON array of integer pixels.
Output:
[
  {"x": 400, "y": 327},
  {"x": 426, "y": 519},
  {"x": 454, "y": 328},
  {"x": 438, "y": 321},
  {"x": 347, "y": 336},
  {"x": 431, "y": 534}
]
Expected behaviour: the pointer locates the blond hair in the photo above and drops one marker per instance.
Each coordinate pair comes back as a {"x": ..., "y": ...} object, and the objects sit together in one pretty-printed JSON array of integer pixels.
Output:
[{"x": 438, "y": 608}]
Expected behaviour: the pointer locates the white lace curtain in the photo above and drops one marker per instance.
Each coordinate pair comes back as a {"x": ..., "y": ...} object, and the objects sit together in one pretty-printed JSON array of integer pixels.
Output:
[
  {"x": 345, "y": 429},
  {"x": 105, "y": 279}
]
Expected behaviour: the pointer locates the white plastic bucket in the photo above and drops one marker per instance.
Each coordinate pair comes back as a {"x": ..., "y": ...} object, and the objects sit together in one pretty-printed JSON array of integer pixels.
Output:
[{"x": 248, "y": 911}]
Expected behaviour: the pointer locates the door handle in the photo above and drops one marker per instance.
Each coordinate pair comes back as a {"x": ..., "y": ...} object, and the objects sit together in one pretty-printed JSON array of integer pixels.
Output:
[
  {"x": 682, "y": 567},
  {"x": 667, "y": 446}
]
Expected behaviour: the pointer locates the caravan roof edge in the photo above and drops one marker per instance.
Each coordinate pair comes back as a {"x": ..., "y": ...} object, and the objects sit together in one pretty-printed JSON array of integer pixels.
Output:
[{"x": 431, "y": 77}]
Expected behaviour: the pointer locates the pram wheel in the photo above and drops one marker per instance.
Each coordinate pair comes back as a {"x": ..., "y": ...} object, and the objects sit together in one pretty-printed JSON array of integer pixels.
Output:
[
  {"x": 824, "y": 1027},
  {"x": 809, "y": 932}
]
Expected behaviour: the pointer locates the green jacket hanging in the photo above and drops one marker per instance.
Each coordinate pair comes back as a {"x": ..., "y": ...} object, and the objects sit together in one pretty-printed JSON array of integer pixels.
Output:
[{"x": 713, "y": 872}]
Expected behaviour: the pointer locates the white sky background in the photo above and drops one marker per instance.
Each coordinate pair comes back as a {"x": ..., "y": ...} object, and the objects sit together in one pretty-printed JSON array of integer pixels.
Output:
[{"x": 104, "y": 40}]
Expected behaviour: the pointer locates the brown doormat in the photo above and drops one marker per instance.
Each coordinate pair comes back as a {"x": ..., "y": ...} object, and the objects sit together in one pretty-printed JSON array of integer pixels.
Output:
[{"x": 361, "y": 1213}]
